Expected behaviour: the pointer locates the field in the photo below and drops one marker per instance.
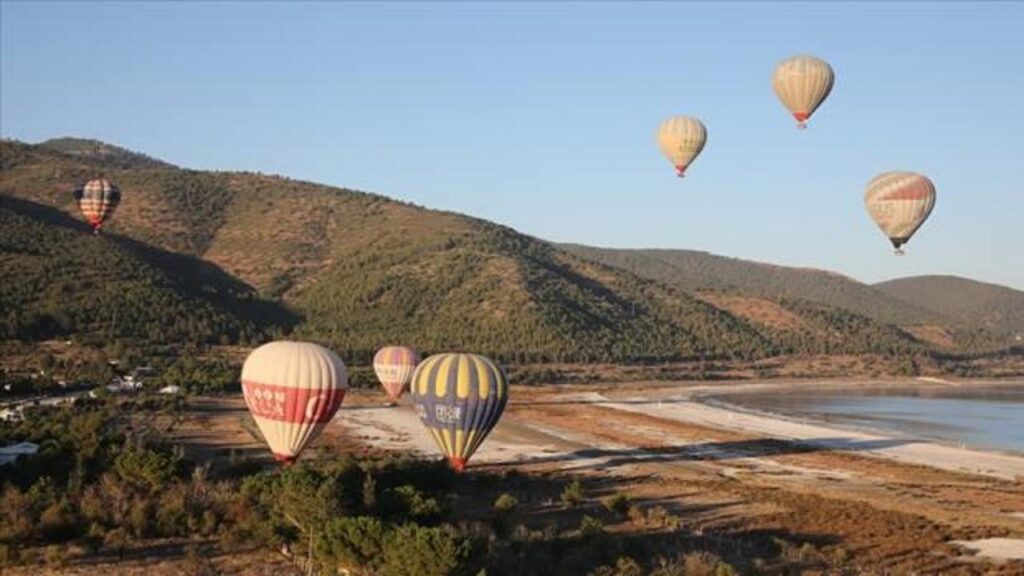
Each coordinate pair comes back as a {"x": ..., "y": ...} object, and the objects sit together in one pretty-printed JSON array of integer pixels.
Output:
[{"x": 696, "y": 477}]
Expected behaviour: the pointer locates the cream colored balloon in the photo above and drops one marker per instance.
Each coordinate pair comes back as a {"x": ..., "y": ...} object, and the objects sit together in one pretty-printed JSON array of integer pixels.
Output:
[
  {"x": 899, "y": 202},
  {"x": 681, "y": 139},
  {"x": 802, "y": 83},
  {"x": 293, "y": 390}
]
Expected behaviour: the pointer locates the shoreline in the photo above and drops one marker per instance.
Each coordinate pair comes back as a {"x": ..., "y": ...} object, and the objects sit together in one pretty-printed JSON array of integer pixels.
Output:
[
  {"x": 695, "y": 406},
  {"x": 917, "y": 387}
]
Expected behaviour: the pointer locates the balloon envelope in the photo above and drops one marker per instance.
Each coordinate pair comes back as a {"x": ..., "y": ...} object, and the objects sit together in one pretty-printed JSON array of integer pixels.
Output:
[
  {"x": 899, "y": 202},
  {"x": 394, "y": 366},
  {"x": 459, "y": 398},
  {"x": 293, "y": 390},
  {"x": 802, "y": 83},
  {"x": 97, "y": 199},
  {"x": 681, "y": 139}
]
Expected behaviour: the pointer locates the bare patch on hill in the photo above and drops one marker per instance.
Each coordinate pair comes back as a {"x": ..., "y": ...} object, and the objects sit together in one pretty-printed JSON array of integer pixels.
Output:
[
  {"x": 931, "y": 334},
  {"x": 760, "y": 311}
]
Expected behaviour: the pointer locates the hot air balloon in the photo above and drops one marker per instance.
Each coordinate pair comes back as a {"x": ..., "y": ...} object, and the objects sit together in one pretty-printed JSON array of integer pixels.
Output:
[
  {"x": 899, "y": 202},
  {"x": 97, "y": 199},
  {"x": 459, "y": 398},
  {"x": 292, "y": 390},
  {"x": 802, "y": 83},
  {"x": 394, "y": 366},
  {"x": 681, "y": 139}
]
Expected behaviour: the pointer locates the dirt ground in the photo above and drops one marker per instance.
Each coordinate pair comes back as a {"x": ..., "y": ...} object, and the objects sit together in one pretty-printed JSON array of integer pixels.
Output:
[{"x": 892, "y": 506}]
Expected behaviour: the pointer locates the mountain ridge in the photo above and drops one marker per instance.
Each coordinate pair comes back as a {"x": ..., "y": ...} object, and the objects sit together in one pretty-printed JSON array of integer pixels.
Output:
[{"x": 994, "y": 306}]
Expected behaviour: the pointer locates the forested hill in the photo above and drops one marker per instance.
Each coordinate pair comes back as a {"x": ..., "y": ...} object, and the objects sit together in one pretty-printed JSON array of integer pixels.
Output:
[
  {"x": 694, "y": 271},
  {"x": 358, "y": 270},
  {"x": 60, "y": 281},
  {"x": 970, "y": 302}
]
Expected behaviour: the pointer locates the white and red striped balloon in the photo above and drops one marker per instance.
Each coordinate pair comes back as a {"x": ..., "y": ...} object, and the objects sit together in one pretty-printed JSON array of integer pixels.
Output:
[
  {"x": 394, "y": 366},
  {"x": 899, "y": 203},
  {"x": 293, "y": 390}
]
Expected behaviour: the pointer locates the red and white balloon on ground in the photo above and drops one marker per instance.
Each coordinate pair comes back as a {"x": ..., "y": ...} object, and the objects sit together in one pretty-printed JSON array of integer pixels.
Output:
[
  {"x": 394, "y": 366},
  {"x": 293, "y": 389}
]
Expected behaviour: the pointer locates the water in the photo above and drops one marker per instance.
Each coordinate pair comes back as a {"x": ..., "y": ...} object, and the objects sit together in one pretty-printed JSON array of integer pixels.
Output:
[{"x": 980, "y": 417}]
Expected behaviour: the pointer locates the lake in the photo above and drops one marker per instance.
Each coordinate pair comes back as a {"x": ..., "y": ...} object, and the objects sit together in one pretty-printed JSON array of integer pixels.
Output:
[{"x": 981, "y": 417}]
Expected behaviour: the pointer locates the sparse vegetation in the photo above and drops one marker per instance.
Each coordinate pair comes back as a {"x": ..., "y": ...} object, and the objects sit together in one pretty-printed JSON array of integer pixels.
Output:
[{"x": 572, "y": 496}]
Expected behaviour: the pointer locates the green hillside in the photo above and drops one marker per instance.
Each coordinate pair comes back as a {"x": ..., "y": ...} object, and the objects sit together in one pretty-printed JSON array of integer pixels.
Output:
[
  {"x": 991, "y": 306},
  {"x": 693, "y": 271},
  {"x": 358, "y": 270},
  {"x": 61, "y": 281}
]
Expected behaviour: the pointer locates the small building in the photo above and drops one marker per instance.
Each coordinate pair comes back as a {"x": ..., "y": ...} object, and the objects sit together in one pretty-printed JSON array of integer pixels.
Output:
[
  {"x": 141, "y": 371},
  {"x": 9, "y": 454},
  {"x": 170, "y": 390},
  {"x": 11, "y": 414}
]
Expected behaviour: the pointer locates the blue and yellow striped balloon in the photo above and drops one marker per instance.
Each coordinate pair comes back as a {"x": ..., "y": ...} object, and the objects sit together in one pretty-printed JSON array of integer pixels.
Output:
[{"x": 459, "y": 398}]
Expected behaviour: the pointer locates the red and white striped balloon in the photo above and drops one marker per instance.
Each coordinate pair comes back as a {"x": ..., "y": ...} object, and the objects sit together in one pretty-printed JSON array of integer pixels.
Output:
[
  {"x": 293, "y": 390},
  {"x": 394, "y": 366},
  {"x": 899, "y": 202}
]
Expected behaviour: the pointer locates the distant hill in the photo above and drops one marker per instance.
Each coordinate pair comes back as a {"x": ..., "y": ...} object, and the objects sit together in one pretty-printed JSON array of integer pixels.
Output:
[
  {"x": 970, "y": 302},
  {"x": 358, "y": 270},
  {"x": 107, "y": 153},
  {"x": 694, "y": 271}
]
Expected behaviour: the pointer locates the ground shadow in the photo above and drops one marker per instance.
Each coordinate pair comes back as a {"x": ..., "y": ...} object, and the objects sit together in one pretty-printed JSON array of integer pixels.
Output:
[
  {"x": 188, "y": 275},
  {"x": 603, "y": 459}
]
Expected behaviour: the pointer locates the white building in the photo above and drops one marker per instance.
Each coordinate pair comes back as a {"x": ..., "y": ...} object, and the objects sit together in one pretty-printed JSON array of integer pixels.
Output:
[
  {"x": 12, "y": 414},
  {"x": 9, "y": 454}
]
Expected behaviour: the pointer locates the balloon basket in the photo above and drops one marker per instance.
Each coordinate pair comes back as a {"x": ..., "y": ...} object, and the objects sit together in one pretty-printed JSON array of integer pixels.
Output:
[
  {"x": 801, "y": 125},
  {"x": 898, "y": 252}
]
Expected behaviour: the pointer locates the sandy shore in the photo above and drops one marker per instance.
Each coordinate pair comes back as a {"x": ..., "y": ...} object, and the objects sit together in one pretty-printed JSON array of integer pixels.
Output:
[{"x": 520, "y": 440}]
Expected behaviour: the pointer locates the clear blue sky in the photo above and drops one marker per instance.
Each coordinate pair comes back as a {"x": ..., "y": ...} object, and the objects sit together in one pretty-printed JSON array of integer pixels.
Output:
[{"x": 542, "y": 117}]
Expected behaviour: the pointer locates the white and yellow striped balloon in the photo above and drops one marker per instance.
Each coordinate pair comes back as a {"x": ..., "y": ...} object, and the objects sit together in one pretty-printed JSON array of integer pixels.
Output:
[
  {"x": 293, "y": 390},
  {"x": 681, "y": 139},
  {"x": 899, "y": 202},
  {"x": 802, "y": 83}
]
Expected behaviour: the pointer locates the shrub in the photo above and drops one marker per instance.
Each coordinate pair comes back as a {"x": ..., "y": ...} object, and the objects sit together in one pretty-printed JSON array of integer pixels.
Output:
[
  {"x": 572, "y": 495},
  {"x": 505, "y": 504},
  {"x": 55, "y": 556},
  {"x": 146, "y": 470},
  {"x": 9, "y": 555},
  {"x": 413, "y": 550},
  {"x": 618, "y": 504},
  {"x": 407, "y": 502},
  {"x": 624, "y": 566},
  {"x": 590, "y": 527},
  {"x": 351, "y": 542},
  {"x": 706, "y": 564},
  {"x": 57, "y": 522}
]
